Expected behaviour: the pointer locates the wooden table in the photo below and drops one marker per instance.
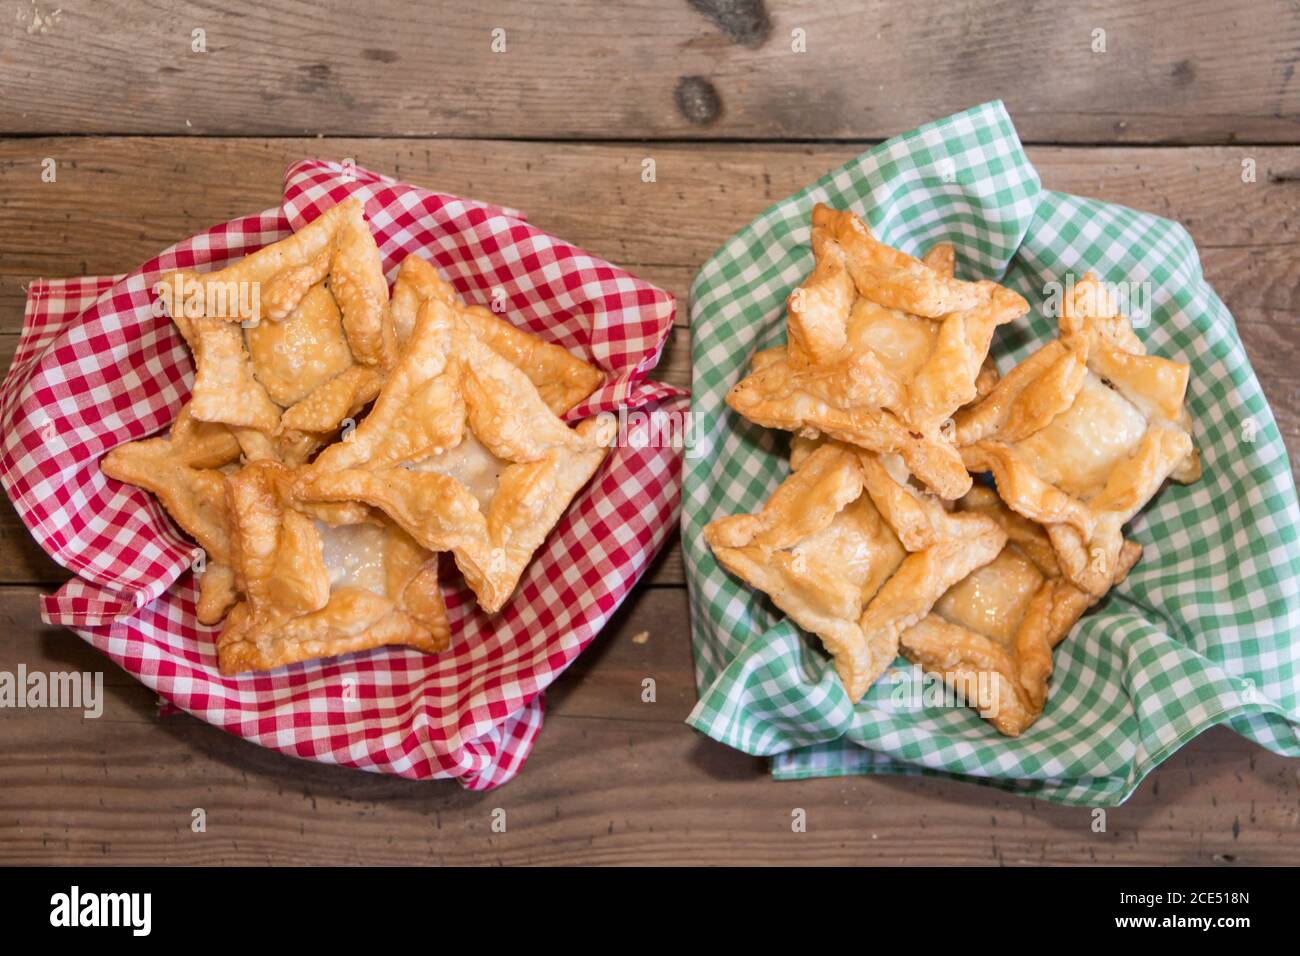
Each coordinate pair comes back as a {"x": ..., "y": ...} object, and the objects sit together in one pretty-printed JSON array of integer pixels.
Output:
[{"x": 153, "y": 141}]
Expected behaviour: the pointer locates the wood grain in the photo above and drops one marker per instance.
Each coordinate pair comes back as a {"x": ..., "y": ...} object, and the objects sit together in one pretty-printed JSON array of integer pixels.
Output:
[
  {"x": 1173, "y": 71},
  {"x": 612, "y": 781},
  {"x": 118, "y": 201}
]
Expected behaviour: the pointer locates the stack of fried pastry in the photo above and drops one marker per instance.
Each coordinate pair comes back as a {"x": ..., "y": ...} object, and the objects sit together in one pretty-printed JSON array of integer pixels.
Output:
[
  {"x": 878, "y": 542},
  {"x": 320, "y": 528}
]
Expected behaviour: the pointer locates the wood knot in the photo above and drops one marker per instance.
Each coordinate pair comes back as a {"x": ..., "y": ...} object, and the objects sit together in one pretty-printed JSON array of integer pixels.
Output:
[
  {"x": 697, "y": 100},
  {"x": 741, "y": 21}
]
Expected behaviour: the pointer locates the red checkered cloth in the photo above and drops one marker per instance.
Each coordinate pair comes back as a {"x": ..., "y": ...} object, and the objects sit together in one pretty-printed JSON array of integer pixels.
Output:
[{"x": 99, "y": 364}]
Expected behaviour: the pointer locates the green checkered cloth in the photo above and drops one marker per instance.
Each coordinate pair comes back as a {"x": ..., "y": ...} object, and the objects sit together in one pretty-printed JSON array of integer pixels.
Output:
[{"x": 1206, "y": 629}]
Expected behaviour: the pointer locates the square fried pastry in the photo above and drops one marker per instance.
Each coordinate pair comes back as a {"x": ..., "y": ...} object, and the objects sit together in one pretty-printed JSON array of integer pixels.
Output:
[
  {"x": 311, "y": 590},
  {"x": 561, "y": 378},
  {"x": 186, "y": 471},
  {"x": 461, "y": 451},
  {"x": 1083, "y": 433},
  {"x": 292, "y": 339},
  {"x": 853, "y": 552},
  {"x": 882, "y": 349},
  {"x": 991, "y": 635}
]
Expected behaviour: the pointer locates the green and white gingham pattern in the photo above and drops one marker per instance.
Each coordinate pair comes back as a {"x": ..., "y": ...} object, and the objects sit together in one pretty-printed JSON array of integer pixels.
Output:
[{"x": 1205, "y": 630}]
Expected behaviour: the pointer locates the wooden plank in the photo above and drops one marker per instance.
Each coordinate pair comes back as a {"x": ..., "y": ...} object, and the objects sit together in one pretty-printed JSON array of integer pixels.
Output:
[
  {"x": 142, "y": 193},
  {"x": 145, "y": 193},
  {"x": 612, "y": 780},
  {"x": 21, "y": 560},
  {"x": 1172, "y": 71}
]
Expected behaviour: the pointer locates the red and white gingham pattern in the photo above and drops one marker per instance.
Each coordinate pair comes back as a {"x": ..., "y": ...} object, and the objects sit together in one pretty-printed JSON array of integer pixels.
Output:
[{"x": 99, "y": 365}]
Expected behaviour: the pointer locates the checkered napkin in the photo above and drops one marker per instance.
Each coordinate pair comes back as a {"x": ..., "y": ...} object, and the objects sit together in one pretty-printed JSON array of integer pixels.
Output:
[
  {"x": 1206, "y": 629},
  {"x": 99, "y": 365}
]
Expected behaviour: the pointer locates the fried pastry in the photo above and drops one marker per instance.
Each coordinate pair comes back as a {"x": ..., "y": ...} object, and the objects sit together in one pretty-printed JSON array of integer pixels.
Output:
[
  {"x": 461, "y": 452},
  {"x": 991, "y": 635},
  {"x": 854, "y": 553},
  {"x": 308, "y": 350},
  {"x": 1082, "y": 434},
  {"x": 942, "y": 258},
  {"x": 312, "y": 590},
  {"x": 185, "y": 471},
  {"x": 986, "y": 379},
  {"x": 562, "y": 379},
  {"x": 882, "y": 349}
]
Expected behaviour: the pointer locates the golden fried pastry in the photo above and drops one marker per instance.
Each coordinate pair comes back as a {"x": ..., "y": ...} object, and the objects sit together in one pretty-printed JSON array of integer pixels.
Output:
[
  {"x": 184, "y": 471},
  {"x": 312, "y": 590},
  {"x": 854, "y": 553},
  {"x": 991, "y": 635},
  {"x": 308, "y": 349},
  {"x": 461, "y": 451},
  {"x": 986, "y": 379},
  {"x": 289, "y": 447},
  {"x": 562, "y": 379},
  {"x": 464, "y": 447},
  {"x": 883, "y": 348},
  {"x": 942, "y": 258},
  {"x": 1082, "y": 434}
]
